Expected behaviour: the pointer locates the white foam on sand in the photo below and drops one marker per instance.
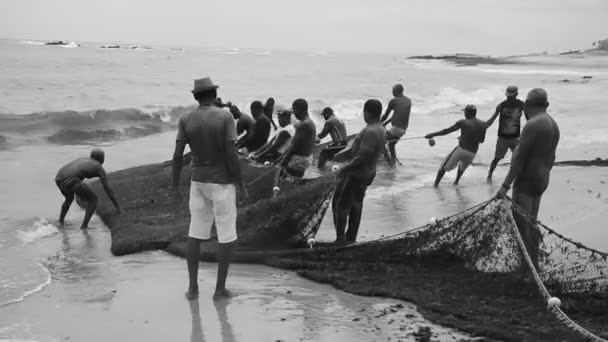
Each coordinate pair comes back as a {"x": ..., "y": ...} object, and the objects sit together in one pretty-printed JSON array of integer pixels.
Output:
[
  {"x": 40, "y": 228},
  {"x": 38, "y": 288}
]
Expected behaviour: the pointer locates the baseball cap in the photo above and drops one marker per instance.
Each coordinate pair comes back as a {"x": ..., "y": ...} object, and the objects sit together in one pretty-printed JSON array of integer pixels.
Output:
[
  {"x": 327, "y": 111},
  {"x": 511, "y": 90}
]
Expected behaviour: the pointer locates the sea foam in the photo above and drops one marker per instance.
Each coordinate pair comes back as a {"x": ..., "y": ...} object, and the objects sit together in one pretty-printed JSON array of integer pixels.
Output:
[{"x": 40, "y": 228}]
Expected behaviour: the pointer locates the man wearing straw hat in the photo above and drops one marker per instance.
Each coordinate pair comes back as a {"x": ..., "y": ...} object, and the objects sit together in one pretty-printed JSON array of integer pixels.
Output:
[
  {"x": 509, "y": 113},
  {"x": 211, "y": 134}
]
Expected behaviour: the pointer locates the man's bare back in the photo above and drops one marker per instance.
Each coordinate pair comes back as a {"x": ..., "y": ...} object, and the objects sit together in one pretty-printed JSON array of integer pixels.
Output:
[
  {"x": 401, "y": 106},
  {"x": 536, "y": 152},
  {"x": 80, "y": 168}
]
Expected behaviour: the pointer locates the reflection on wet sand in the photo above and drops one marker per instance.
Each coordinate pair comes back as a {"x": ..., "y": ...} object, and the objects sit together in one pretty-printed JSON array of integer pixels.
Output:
[
  {"x": 222, "y": 315},
  {"x": 197, "y": 328}
]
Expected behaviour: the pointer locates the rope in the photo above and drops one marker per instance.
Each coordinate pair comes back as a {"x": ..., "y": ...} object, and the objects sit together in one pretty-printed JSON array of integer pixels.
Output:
[
  {"x": 279, "y": 160},
  {"x": 555, "y": 310}
]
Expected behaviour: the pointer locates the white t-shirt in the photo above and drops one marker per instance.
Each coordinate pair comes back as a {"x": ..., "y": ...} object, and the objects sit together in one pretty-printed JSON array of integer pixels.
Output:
[{"x": 291, "y": 131}]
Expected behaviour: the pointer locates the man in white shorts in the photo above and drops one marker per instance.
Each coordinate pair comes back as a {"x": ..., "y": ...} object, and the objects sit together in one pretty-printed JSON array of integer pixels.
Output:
[
  {"x": 472, "y": 133},
  {"x": 211, "y": 134}
]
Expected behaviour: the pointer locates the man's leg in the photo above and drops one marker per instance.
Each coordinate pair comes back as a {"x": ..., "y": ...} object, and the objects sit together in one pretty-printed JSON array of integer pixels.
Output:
[
  {"x": 354, "y": 219},
  {"x": 439, "y": 176},
  {"x": 492, "y": 167},
  {"x": 224, "y": 210},
  {"x": 323, "y": 156},
  {"x": 91, "y": 200},
  {"x": 224, "y": 255},
  {"x": 341, "y": 208},
  {"x": 391, "y": 148},
  {"x": 193, "y": 253},
  {"x": 526, "y": 224},
  {"x": 459, "y": 174},
  {"x": 65, "y": 207}
]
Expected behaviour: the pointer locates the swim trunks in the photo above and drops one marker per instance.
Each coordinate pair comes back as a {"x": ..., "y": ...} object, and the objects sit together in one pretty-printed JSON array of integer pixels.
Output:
[
  {"x": 350, "y": 190},
  {"x": 504, "y": 144},
  {"x": 458, "y": 157},
  {"x": 209, "y": 202},
  {"x": 394, "y": 133},
  {"x": 68, "y": 186}
]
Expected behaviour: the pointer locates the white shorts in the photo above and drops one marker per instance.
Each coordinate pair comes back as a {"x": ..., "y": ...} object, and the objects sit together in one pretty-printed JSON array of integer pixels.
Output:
[
  {"x": 395, "y": 132},
  {"x": 458, "y": 157},
  {"x": 209, "y": 202}
]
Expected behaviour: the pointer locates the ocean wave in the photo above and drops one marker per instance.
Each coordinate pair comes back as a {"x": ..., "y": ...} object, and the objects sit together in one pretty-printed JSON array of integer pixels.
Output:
[
  {"x": 450, "y": 98},
  {"x": 40, "y": 228},
  {"x": 60, "y": 43},
  {"x": 36, "y": 289},
  {"x": 71, "y": 127}
]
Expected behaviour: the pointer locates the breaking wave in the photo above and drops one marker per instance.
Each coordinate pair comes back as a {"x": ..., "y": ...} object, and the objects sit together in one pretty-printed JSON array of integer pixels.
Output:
[{"x": 71, "y": 127}]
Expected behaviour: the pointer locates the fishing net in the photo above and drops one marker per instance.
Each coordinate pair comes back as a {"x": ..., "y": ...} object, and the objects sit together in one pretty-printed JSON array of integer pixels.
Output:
[{"x": 485, "y": 238}]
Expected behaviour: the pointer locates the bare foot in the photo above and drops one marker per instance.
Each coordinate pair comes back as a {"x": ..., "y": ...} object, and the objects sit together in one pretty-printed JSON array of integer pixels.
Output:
[
  {"x": 192, "y": 294},
  {"x": 84, "y": 227},
  {"x": 223, "y": 294},
  {"x": 489, "y": 179}
]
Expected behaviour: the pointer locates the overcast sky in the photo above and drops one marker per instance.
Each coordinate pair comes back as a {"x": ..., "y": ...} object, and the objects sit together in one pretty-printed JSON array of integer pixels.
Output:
[{"x": 393, "y": 26}]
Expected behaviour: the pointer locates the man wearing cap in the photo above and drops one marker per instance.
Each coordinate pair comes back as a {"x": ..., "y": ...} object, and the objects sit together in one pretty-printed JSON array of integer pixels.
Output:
[
  {"x": 69, "y": 181},
  {"x": 509, "y": 112},
  {"x": 211, "y": 134},
  {"x": 531, "y": 165},
  {"x": 298, "y": 156},
  {"x": 472, "y": 133},
  {"x": 337, "y": 130},
  {"x": 401, "y": 107},
  {"x": 279, "y": 144},
  {"x": 261, "y": 130}
]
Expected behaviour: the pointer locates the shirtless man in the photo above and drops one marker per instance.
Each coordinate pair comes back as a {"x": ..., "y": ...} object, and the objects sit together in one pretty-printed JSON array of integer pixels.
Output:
[
  {"x": 269, "y": 110},
  {"x": 298, "y": 156},
  {"x": 279, "y": 144},
  {"x": 356, "y": 176},
  {"x": 69, "y": 181},
  {"x": 510, "y": 112},
  {"x": 401, "y": 107},
  {"x": 244, "y": 124},
  {"x": 337, "y": 130},
  {"x": 261, "y": 130},
  {"x": 531, "y": 165},
  {"x": 472, "y": 133}
]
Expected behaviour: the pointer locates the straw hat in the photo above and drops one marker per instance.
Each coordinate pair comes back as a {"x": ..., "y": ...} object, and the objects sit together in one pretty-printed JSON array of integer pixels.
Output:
[{"x": 203, "y": 84}]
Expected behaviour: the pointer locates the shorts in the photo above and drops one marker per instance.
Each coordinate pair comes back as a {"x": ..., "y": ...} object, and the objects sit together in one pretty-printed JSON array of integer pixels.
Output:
[
  {"x": 458, "y": 157},
  {"x": 504, "y": 144},
  {"x": 209, "y": 202},
  {"x": 350, "y": 191},
  {"x": 395, "y": 133},
  {"x": 297, "y": 165},
  {"x": 68, "y": 186}
]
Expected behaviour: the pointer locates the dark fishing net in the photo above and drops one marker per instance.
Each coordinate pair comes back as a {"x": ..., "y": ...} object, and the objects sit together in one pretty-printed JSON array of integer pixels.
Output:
[{"x": 483, "y": 237}]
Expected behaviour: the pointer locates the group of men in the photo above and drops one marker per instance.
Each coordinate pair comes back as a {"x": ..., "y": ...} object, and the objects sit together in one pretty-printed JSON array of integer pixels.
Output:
[{"x": 212, "y": 135}]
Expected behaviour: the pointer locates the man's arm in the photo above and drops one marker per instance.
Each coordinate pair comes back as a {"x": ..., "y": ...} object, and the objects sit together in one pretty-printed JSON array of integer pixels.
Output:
[
  {"x": 325, "y": 131},
  {"x": 448, "y": 130},
  {"x": 104, "y": 182},
  {"x": 178, "y": 155},
  {"x": 297, "y": 136},
  {"x": 232, "y": 158},
  {"x": 389, "y": 108},
  {"x": 493, "y": 117},
  {"x": 365, "y": 153},
  {"x": 520, "y": 155}
]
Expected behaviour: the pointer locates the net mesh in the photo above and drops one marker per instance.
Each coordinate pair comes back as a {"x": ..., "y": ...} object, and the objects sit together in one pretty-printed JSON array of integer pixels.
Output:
[{"x": 483, "y": 239}]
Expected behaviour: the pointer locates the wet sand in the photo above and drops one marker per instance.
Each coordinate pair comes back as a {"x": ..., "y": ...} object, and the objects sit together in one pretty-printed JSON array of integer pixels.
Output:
[{"x": 146, "y": 303}]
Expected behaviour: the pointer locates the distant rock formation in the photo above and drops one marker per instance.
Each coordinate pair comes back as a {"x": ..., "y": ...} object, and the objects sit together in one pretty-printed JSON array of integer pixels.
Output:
[{"x": 602, "y": 45}]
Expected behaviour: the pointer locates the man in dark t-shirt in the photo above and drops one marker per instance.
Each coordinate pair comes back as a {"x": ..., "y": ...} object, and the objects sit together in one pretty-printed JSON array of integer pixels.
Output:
[
  {"x": 356, "y": 176},
  {"x": 472, "y": 133},
  {"x": 509, "y": 122},
  {"x": 337, "y": 130}
]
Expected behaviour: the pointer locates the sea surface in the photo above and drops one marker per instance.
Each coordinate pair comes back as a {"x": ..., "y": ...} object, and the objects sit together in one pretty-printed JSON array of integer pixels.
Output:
[{"x": 57, "y": 102}]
